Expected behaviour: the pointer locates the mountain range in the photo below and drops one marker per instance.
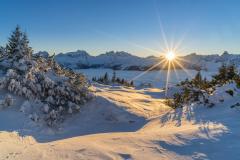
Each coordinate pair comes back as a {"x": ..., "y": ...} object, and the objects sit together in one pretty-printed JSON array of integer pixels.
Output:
[{"x": 121, "y": 60}]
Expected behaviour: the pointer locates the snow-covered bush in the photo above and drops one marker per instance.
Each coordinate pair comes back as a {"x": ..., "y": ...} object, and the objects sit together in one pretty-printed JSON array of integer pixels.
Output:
[
  {"x": 25, "y": 107},
  {"x": 36, "y": 78},
  {"x": 8, "y": 101},
  {"x": 209, "y": 93}
]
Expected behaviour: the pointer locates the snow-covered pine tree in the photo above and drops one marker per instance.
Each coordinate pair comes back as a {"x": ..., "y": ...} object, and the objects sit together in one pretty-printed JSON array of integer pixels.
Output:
[
  {"x": 27, "y": 50},
  {"x": 40, "y": 79},
  {"x": 18, "y": 45},
  {"x": 13, "y": 46},
  {"x": 2, "y": 51}
]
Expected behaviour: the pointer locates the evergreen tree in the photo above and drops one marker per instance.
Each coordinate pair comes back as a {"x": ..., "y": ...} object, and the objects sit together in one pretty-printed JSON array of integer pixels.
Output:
[
  {"x": 131, "y": 83},
  {"x": 205, "y": 84},
  {"x": 25, "y": 44},
  {"x": 197, "y": 80},
  {"x": 2, "y": 51},
  {"x": 231, "y": 72},
  {"x": 122, "y": 81},
  {"x": 14, "y": 42},
  {"x": 118, "y": 80},
  {"x": 94, "y": 79},
  {"x": 105, "y": 78},
  {"x": 221, "y": 77},
  {"x": 114, "y": 77},
  {"x": 18, "y": 45}
]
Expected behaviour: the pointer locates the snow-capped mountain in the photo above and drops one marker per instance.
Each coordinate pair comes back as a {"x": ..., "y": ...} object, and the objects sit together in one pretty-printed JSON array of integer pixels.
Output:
[
  {"x": 117, "y": 60},
  {"x": 125, "y": 61},
  {"x": 43, "y": 54}
]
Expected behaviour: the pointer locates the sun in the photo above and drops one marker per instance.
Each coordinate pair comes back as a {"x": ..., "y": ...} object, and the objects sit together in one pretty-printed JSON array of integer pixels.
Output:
[{"x": 170, "y": 56}]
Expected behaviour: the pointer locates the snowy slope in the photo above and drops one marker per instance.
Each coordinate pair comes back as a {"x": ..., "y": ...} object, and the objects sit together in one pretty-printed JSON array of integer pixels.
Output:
[{"x": 110, "y": 128}]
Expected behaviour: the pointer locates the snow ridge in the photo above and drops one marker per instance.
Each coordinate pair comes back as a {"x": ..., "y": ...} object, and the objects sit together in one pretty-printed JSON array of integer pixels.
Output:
[{"x": 126, "y": 61}]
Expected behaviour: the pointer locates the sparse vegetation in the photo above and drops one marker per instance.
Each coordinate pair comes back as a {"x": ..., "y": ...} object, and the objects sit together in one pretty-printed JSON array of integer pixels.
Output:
[
  {"x": 105, "y": 79},
  {"x": 230, "y": 92},
  {"x": 198, "y": 89}
]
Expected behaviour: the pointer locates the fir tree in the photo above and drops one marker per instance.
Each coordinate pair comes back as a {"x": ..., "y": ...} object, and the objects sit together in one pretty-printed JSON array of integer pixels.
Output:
[
  {"x": 105, "y": 78},
  {"x": 114, "y": 77},
  {"x": 2, "y": 51},
  {"x": 131, "y": 83},
  {"x": 25, "y": 44},
  {"x": 13, "y": 46},
  {"x": 197, "y": 80},
  {"x": 94, "y": 79},
  {"x": 221, "y": 77},
  {"x": 231, "y": 72},
  {"x": 118, "y": 80},
  {"x": 122, "y": 81},
  {"x": 18, "y": 45}
]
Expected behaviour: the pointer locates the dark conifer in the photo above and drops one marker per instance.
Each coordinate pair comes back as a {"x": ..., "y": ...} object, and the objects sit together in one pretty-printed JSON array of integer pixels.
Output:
[{"x": 114, "y": 77}]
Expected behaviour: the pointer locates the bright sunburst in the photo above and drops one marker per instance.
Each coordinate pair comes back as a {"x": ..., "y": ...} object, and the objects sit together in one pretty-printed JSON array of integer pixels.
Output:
[
  {"x": 170, "y": 56},
  {"x": 169, "y": 61}
]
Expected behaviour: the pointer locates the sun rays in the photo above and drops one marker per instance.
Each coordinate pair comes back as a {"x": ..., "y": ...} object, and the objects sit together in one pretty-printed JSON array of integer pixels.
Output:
[
  {"x": 170, "y": 56},
  {"x": 169, "y": 62},
  {"x": 169, "y": 59}
]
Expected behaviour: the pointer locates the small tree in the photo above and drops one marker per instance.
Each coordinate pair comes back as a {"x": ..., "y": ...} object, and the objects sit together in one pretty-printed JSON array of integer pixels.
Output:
[
  {"x": 13, "y": 46},
  {"x": 18, "y": 45},
  {"x": 118, "y": 80},
  {"x": 131, "y": 83},
  {"x": 114, "y": 77},
  {"x": 221, "y": 77},
  {"x": 25, "y": 44},
  {"x": 2, "y": 51},
  {"x": 197, "y": 80},
  {"x": 94, "y": 79},
  {"x": 231, "y": 72},
  {"x": 105, "y": 78},
  {"x": 122, "y": 81}
]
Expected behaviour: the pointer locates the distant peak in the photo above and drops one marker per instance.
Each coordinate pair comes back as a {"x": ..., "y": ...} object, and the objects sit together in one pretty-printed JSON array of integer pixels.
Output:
[
  {"x": 44, "y": 54},
  {"x": 77, "y": 53},
  {"x": 225, "y": 53},
  {"x": 117, "y": 53}
]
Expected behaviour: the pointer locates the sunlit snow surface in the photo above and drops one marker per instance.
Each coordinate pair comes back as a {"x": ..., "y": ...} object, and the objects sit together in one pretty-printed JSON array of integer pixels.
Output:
[
  {"x": 127, "y": 124},
  {"x": 156, "y": 78}
]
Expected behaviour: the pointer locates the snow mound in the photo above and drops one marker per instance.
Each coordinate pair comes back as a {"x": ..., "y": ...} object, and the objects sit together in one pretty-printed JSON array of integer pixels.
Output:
[{"x": 108, "y": 130}]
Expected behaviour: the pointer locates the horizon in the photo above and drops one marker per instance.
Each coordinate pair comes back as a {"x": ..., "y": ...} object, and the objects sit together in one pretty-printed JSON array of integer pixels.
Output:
[
  {"x": 143, "y": 28},
  {"x": 80, "y": 50}
]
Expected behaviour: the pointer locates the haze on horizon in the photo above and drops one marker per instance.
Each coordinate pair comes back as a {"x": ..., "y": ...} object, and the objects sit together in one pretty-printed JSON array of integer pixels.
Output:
[{"x": 136, "y": 26}]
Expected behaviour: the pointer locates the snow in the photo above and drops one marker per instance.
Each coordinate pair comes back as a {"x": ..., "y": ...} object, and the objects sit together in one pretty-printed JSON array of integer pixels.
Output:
[
  {"x": 110, "y": 59},
  {"x": 50, "y": 113},
  {"x": 126, "y": 123},
  {"x": 126, "y": 61},
  {"x": 156, "y": 78}
]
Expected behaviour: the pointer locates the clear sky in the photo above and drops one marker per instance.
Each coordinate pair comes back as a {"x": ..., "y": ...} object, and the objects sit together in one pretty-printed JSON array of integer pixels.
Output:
[{"x": 135, "y": 26}]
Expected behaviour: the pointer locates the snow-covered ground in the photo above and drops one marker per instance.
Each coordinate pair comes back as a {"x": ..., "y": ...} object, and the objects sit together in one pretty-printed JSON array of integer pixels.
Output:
[
  {"x": 126, "y": 123},
  {"x": 156, "y": 78}
]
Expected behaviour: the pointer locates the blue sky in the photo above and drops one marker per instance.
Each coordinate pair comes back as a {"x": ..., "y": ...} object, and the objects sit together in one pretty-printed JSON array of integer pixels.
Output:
[{"x": 135, "y": 26}]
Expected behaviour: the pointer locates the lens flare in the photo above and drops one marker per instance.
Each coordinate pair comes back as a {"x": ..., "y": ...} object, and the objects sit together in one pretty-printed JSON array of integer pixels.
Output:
[{"x": 170, "y": 56}]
